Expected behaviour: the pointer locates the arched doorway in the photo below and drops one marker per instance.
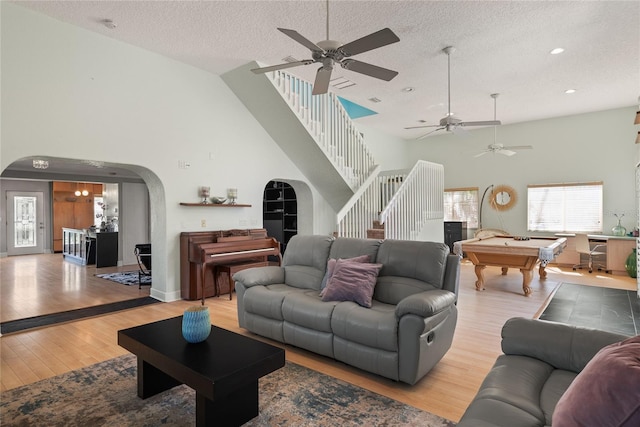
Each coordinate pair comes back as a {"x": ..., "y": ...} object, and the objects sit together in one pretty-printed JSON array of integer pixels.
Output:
[{"x": 280, "y": 212}]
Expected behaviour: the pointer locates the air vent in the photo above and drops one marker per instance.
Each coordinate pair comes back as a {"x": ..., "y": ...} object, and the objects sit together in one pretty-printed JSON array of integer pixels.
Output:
[
  {"x": 341, "y": 83},
  {"x": 290, "y": 59},
  {"x": 422, "y": 121},
  {"x": 374, "y": 99}
]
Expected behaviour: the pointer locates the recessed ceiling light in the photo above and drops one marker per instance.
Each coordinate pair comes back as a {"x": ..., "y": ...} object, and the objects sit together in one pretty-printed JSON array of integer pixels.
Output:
[
  {"x": 570, "y": 91},
  {"x": 408, "y": 89},
  {"x": 556, "y": 51}
]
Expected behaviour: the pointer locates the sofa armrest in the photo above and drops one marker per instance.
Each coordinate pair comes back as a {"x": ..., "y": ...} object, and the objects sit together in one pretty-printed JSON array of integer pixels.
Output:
[
  {"x": 452, "y": 274},
  {"x": 425, "y": 304},
  {"x": 560, "y": 345},
  {"x": 260, "y": 276}
]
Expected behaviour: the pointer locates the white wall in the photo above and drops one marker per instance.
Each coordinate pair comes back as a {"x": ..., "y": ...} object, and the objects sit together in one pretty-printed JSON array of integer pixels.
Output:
[
  {"x": 389, "y": 152},
  {"x": 70, "y": 93},
  {"x": 588, "y": 147},
  {"x": 133, "y": 220}
]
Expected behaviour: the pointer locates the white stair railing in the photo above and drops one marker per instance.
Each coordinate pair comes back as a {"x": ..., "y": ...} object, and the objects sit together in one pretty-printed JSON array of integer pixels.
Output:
[
  {"x": 329, "y": 124},
  {"x": 406, "y": 201},
  {"x": 419, "y": 198}
]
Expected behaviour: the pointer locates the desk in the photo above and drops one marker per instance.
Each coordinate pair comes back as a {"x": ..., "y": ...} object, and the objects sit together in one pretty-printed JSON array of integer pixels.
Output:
[
  {"x": 223, "y": 370},
  {"x": 506, "y": 252},
  {"x": 618, "y": 249}
]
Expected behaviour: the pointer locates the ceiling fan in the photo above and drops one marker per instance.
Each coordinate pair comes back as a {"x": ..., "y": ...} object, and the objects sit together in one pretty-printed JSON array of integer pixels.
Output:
[
  {"x": 450, "y": 123},
  {"x": 331, "y": 52},
  {"x": 499, "y": 148}
]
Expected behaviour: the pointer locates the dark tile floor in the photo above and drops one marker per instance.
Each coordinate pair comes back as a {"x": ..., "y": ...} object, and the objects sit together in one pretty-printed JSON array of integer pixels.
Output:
[{"x": 613, "y": 310}]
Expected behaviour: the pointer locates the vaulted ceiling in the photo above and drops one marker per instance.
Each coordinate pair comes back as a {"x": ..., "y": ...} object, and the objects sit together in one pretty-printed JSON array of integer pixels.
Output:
[{"x": 501, "y": 47}]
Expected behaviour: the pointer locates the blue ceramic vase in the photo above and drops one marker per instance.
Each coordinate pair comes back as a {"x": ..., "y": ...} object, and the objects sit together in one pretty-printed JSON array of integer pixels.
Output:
[{"x": 196, "y": 324}]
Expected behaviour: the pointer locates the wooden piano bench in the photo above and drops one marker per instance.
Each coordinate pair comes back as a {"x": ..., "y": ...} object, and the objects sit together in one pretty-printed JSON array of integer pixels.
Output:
[{"x": 225, "y": 272}]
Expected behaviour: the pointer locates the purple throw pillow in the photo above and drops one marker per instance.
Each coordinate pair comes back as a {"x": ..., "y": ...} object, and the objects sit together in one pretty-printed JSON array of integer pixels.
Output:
[
  {"x": 352, "y": 281},
  {"x": 606, "y": 392},
  {"x": 331, "y": 265}
]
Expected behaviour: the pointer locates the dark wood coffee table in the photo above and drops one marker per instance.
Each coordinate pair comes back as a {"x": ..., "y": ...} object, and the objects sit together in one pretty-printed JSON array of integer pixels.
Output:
[{"x": 223, "y": 370}]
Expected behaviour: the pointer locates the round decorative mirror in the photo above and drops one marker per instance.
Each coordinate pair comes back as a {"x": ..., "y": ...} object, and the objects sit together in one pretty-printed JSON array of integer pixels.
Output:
[{"x": 503, "y": 197}]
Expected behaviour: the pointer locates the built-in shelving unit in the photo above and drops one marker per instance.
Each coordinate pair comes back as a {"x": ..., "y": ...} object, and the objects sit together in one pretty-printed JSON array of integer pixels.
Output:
[
  {"x": 216, "y": 205},
  {"x": 280, "y": 212}
]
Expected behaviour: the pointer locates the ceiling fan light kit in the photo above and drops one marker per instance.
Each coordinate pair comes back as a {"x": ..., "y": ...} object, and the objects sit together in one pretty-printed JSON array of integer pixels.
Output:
[
  {"x": 330, "y": 52},
  {"x": 499, "y": 148},
  {"x": 450, "y": 123}
]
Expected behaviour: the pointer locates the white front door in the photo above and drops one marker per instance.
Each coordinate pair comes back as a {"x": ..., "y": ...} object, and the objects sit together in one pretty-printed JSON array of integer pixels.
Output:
[{"x": 25, "y": 223}]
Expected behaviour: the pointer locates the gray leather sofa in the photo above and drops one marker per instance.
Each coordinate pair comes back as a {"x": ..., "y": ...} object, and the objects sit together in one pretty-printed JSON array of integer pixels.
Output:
[
  {"x": 540, "y": 361},
  {"x": 408, "y": 328}
]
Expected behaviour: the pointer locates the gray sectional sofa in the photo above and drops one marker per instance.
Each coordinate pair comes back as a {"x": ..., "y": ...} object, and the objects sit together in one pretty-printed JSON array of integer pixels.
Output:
[
  {"x": 540, "y": 362},
  {"x": 408, "y": 327}
]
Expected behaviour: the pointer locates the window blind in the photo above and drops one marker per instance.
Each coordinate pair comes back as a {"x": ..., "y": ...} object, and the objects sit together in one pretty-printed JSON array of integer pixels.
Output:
[{"x": 565, "y": 207}]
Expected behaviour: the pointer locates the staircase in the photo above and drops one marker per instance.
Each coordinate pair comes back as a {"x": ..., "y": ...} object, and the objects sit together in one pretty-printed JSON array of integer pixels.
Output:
[{"x": 319, "y": 137}]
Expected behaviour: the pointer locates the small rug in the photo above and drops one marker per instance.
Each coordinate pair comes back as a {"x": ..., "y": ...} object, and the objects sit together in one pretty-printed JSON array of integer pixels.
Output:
[
  {"x": 67, "y": 316},
  {"x": 128, "y": 278},
  {"x": 105, "y": 395},
  {"x": 612, "y": 310}
]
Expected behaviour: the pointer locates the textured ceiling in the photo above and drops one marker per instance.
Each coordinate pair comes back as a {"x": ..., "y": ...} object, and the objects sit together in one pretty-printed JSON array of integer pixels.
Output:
[{"x": 501, "y": 47}]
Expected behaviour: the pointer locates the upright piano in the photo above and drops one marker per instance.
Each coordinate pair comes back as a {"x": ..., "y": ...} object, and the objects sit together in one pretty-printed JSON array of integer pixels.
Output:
[{"x": 201, "y": 252}]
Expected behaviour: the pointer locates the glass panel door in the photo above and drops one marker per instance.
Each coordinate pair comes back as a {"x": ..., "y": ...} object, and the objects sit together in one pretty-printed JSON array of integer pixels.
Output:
[
  {"x": 24, "y": 213},
  {"x": 25, "y": 225}
]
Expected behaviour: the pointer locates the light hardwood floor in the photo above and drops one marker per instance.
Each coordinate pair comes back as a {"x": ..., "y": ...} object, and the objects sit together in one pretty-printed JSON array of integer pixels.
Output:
[{"x": 32, "y": 285}]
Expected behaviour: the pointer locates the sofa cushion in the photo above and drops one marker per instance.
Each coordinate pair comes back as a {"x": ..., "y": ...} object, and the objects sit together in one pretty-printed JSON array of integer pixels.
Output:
[
  {"x": 307, "y": 309},
  {"x": 423, "y": 263},
  {"x": 517, "y": 381},
  {"x": 305, "y": 260},
  {"x": 267, "y": 301},
  {"x": 331, "y": 265},
  {"x": 393, "y": 289},
  {"x": 606, "y": 392},
  {"x": 375, "y": 327},
  {"x": 352, "y": 281},
  {"x": 345, "y": 247}
]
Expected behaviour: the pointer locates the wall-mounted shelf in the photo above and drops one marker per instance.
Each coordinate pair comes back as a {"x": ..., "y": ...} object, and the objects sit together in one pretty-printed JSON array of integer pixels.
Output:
[{"x": 216, "y": 205}]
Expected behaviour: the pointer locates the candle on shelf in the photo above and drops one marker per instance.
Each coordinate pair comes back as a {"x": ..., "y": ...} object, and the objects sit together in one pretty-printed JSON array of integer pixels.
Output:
[
  {"x": 232, "y": 195},
  {"x": 204, "y": 194}
]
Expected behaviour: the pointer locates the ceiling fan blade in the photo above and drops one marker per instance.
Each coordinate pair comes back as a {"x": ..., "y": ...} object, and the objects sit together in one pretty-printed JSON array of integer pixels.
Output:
[
  {"x": 482, "y": 123},
  {"x": 368, "y": 69},
  {"x": 370, "y": 42},
  {"x": 302, "y": 40},
  {"x": 506, "y": 152},
  {"x": 423, "y": 126},
  {"x": 282, "y": 66},
  {"x": 321, "y": 85},
  {"x": 482, "y": 153},
  {"x": 519, "y": 147},
  {"x": 429, "y": 133}
]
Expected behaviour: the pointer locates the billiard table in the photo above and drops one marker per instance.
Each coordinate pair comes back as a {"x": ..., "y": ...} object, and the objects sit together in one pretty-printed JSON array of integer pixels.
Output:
[{"x": 509, "y": 251}]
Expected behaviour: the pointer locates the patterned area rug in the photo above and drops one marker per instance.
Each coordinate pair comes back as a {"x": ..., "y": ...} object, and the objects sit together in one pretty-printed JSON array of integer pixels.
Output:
[
  {"x": 128, "y": 278},
  {"x": 105, "y": 395}
]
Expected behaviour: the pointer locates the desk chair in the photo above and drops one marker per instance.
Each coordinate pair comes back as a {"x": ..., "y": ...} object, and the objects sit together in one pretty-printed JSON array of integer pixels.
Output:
[
  {"x": 143, "y": 255},
  {"x": 584, "y": 248}
]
